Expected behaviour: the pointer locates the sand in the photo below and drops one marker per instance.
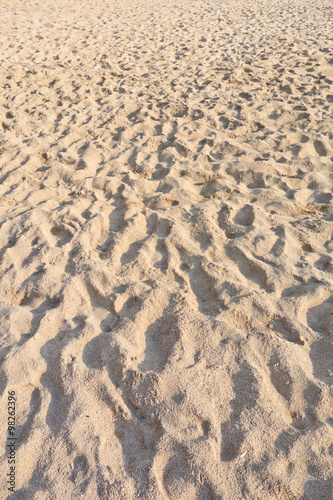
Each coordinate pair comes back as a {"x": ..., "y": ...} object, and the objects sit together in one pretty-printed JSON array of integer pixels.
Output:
[{"x": 166, "y": 249}]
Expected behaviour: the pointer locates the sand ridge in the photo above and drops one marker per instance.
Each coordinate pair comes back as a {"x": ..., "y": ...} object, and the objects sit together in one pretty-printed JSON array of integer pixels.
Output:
[{"x": 166, "y": 248}]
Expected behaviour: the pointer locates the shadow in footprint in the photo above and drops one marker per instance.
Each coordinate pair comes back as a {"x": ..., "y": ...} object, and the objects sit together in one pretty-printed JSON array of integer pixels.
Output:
[
  {"x": 133, "y": 252},
  {"x": 177, "y": 475},
  {"x": 80, "y": 472},
  {"x": 232, "y": 445},
  {"x": 203, "y": 287},
  {"x": 52, "y": 378},
  {"x": 321, "y": 355},
  {"x": 245, "y": 216},
  {"x": 23, "y": 431},
  {"x": 286, "y": 440},
  {"x": 38, "y": 313},
  {"x": 301, "y": 422},
  {"x": 245, "y": 388},
  {"x": 287, "y": 330},
  {"x": 161, "y": 248},
  {"x": 101, "y": 351},
  {"x": 320, "y": 489},
  {"x": 249, "y": 268},
  {"x": 63, "y": 234},
  {"x": 161, "y": 337},
  {"x": 280, "y": 378},
  {"x": 320, "y": 319}
]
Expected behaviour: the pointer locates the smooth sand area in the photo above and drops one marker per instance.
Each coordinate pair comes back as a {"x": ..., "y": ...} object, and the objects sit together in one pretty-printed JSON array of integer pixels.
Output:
[{"x": 166, "y": 273}]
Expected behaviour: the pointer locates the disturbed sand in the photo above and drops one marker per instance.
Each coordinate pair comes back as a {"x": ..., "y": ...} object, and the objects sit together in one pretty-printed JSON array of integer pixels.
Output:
[{"x": 166, "y": 247}]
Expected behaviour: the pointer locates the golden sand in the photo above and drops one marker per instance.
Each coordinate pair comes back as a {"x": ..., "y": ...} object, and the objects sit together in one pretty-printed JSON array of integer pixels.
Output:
[{"x": 166, "y": 249}]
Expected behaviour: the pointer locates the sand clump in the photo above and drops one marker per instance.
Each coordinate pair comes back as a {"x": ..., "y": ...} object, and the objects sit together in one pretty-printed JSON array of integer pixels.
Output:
[{"x": 166, "y": 248}]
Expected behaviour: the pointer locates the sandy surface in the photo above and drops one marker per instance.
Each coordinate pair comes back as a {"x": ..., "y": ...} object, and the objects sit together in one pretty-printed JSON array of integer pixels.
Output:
[{"x": 166, "y": 268}]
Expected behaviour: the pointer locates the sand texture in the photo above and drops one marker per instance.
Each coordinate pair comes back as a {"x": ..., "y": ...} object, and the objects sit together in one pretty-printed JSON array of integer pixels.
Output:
[{"x": 166, "y": 245}]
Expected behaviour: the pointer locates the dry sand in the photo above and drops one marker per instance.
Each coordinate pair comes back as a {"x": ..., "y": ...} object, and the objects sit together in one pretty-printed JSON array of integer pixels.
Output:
[{"x": 166, "y": 248}]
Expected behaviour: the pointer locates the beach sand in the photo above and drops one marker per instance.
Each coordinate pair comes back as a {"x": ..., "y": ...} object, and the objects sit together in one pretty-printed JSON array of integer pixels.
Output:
[{"x": 166, "y": 223}]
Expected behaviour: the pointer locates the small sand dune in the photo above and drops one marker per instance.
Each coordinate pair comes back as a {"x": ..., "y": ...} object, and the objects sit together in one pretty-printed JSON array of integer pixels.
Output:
[{"x": 166, "y": 244}]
